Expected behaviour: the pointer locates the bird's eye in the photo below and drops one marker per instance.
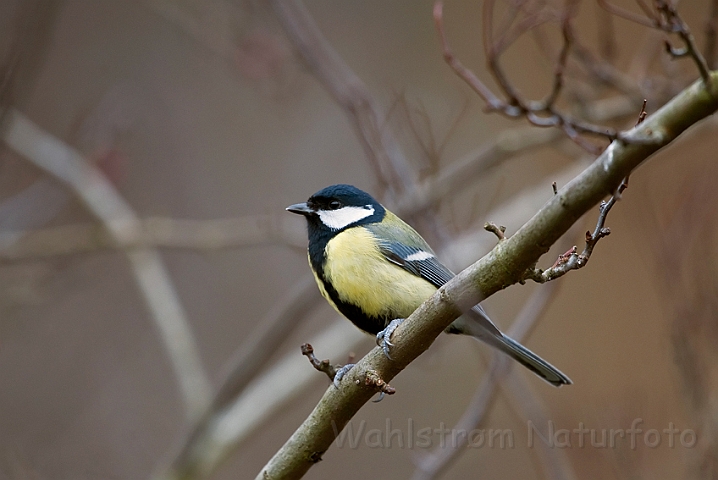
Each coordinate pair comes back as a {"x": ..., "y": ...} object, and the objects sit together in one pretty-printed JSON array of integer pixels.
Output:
[{"x": 335, "y": 205}]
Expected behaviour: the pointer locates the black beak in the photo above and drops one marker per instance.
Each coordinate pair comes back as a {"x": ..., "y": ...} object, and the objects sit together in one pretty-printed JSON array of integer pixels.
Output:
[{"x": 300, "y": 208}]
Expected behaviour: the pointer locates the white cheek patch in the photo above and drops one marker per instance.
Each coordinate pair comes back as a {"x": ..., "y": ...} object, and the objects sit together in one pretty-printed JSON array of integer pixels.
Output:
[
  {"x": 338, "y": 219},
  {"x": 418, "y": 256}
]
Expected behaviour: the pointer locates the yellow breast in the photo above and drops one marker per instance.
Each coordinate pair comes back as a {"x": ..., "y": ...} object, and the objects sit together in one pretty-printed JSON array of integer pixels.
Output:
[{"x": 362, "y": 276}]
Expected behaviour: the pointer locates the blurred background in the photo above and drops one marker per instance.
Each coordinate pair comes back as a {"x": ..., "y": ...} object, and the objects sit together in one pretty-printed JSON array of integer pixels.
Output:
[{"x": 149, "y": 272}]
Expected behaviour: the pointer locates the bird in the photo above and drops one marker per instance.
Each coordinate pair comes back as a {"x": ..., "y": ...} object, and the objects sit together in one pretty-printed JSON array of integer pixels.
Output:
[{"x": 375, "y": 270}]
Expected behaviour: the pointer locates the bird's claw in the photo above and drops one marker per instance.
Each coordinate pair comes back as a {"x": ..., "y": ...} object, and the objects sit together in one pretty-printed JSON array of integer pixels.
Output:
[
  {"x": 340, "y": 374},
  {"x": 383, "y": 338}
]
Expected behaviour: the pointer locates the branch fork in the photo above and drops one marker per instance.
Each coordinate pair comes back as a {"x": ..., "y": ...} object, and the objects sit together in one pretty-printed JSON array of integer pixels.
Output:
[
  {"x": 498, "y": 230},
  {"x": 371, "y": 378},
  {"x": 572, "y": 260},
  {"x": 321, "y": 365}
]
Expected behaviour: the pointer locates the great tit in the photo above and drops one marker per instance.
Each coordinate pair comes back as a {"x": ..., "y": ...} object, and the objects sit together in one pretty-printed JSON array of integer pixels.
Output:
[{"x": 376, "y": 270}]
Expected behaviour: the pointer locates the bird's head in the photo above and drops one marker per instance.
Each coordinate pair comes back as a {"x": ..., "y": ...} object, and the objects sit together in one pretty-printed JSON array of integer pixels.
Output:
[{"x": 338, "y": 207}]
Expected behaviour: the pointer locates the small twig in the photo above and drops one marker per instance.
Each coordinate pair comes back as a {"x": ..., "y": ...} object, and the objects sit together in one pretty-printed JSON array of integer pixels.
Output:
[
  {"x": 667, "y": 19},
  {"x": 464, "y": 73},
  {"x": 647, "y": 21},
  {"x": 242, "y": 367},
  {"x": 642, "y": 114},
  {"x": 495, "y": 47},
  {"x": 562, "y": 58},
  {"x": 264, "y": 397},
  {"x": 321, "y": 365},
  {"x": 539, "y": 113},
  {"x": 463, "y": 172},
  {"x": 497, "y": 230},
  {"x": 572, "y": 260},
  {"x": 373, "y": 379},
  {"x": 674, "y": 23},
  {"x": 711, "y": 37},
  {"x": 565, "y": 257}
]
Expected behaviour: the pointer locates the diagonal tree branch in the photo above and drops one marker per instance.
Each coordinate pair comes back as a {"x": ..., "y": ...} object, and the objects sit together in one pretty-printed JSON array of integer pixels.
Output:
[{"x": 207, "y": 235}]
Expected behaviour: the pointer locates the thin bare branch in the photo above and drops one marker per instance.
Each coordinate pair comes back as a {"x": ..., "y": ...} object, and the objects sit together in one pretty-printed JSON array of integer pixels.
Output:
[
  {"x": 464, "y": 73},
  {"x": 646, "y": 21},
  {"x": 541, "y": 114},
  {"x": 324, "y": 366},
  {"x": 153, "y": 280},
  {"x": 709, "y": 52},
  {"x": 665, "y": 18},
  {"x": 391, "y": 168},
  {"x": 605, "y": 72},
  {"x": 675, "y": 24},
  {"x": 572, "y": 260},
  {"x": 158, "y": 232},
  {"x": 463, "y": 172},
  {"x": 560, "y": 64},
  {"x": 498, "y": 230},
  {"x": 495, "y": 47},
  {"x": 456, "y": 176}
]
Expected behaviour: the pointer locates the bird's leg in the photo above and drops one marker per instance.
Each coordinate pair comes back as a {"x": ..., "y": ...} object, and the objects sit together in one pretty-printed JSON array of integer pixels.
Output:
[
  {"x": 341, "y": 372},
  {"x": 383, "y": 337}
]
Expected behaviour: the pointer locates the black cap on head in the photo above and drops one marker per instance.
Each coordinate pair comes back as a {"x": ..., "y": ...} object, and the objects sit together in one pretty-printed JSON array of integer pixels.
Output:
[
  {"x": 338, "y": 207},
  {"x": 348, "y": 195}
]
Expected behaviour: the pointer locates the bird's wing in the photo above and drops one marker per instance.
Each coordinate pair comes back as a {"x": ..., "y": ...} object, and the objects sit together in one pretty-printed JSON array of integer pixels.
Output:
[
  {"x": 409, "y": 251},
  {"x": 405, "y": 248},
  {"x": 424, "y": 264},
  {"x": 415, "y": 260}
]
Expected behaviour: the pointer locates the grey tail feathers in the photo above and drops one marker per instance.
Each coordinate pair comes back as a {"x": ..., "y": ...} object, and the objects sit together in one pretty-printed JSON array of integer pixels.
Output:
[
  {"x": 530, "y": 360},
  {"x": 477, "y": 324}
]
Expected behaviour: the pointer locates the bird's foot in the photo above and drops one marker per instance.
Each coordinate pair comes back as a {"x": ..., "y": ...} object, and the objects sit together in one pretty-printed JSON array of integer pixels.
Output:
[
  {"x": 383, "y": 338},
  {"x": 341, "y": 372}
]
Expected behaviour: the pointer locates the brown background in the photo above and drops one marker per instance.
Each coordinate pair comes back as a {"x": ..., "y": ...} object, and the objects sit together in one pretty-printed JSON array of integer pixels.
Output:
[{"x": 222, "y": 121}]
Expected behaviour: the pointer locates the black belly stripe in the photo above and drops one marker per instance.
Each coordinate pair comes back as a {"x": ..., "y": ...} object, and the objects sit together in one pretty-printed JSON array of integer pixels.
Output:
[{"x": 369, "y": 324}]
